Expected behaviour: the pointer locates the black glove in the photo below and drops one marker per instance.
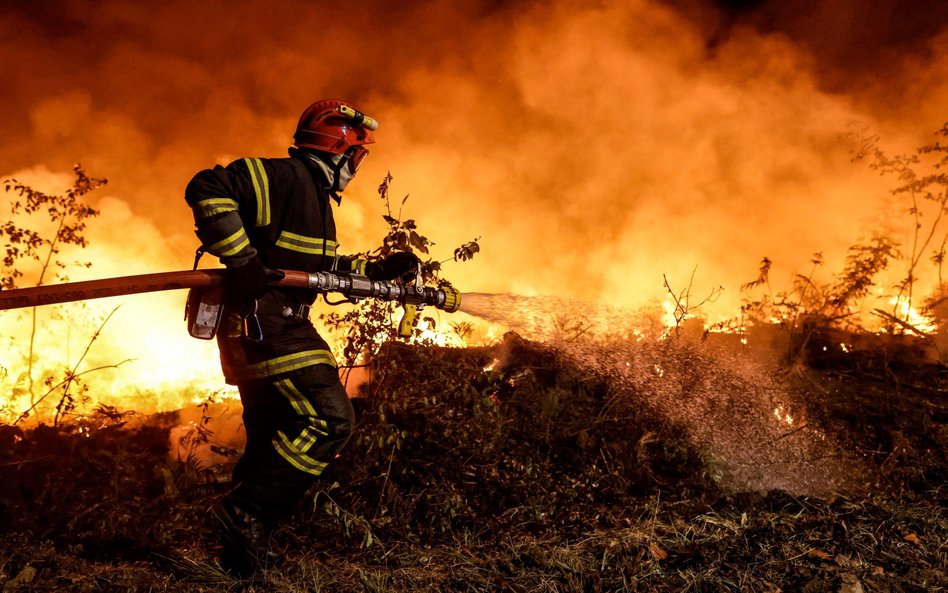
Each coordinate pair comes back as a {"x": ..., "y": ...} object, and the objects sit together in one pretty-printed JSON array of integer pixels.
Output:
[
  {"x": 400, "y": 264},
  {"x": 248, "y": 281}
]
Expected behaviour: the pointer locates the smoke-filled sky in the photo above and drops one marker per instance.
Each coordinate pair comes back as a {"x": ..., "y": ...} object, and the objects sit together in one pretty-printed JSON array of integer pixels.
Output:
[{"x": 593, "y": 146}]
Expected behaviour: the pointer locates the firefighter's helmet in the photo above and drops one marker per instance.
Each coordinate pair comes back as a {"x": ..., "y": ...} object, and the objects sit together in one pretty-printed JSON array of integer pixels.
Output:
[{"x": 334, "y": 127}]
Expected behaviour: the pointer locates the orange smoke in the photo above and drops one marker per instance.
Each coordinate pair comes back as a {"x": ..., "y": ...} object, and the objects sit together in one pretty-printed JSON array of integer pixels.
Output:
[{"x": 593, "y": 146}]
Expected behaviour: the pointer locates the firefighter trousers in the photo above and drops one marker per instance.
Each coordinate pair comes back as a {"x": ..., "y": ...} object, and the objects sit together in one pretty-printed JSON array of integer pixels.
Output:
[{"x": 296, "y": 423}]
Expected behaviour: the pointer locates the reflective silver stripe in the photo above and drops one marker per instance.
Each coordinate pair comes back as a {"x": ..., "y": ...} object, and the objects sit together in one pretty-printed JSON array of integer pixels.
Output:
[
  {"x": 299, "y": 402},
  {"x": 297, "y": 458},
  {"x": 231, "y": 245},
  {"x": 290, "y": 362},
  {"x": 304, "y": 244},
  {"x": 211, "y": 206},
  {"x": 358, "y": 266},
  {"x": 261, "y": 188}
]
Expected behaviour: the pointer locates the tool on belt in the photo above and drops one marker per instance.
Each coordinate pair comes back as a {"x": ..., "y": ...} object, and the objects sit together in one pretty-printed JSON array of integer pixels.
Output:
[{"x": 354, "y": 287}]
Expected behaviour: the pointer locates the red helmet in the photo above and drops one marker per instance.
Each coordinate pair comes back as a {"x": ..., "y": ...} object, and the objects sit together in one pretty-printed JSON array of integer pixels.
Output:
[{"x": 334, "y": 127}]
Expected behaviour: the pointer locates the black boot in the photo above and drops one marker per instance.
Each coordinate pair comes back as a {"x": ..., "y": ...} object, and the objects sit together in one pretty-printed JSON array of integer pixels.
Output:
[{"x": 245, "y": 539}]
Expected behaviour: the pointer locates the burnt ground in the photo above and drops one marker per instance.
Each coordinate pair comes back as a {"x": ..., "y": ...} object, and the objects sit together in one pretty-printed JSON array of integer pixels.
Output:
[{"x": 512, "y": 468}]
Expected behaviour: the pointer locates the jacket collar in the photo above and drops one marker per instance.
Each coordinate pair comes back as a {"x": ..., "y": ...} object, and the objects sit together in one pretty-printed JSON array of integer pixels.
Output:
[{"x": 318, "y": 170}]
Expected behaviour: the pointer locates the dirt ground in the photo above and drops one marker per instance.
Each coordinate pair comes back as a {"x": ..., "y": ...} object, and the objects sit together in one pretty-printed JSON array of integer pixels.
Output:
[{"x": 523, "y": 467}]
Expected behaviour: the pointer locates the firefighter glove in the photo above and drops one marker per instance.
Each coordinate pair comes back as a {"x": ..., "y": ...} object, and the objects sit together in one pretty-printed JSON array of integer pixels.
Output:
[
  {"x": 400, "y": 264},
  {"x": 249, "y": 280}
]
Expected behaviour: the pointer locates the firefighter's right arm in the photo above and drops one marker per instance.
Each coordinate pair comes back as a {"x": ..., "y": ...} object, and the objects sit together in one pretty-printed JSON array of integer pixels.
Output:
[
  {"x": 221, "y": 199},
  {"x": 224, "y": 200}
]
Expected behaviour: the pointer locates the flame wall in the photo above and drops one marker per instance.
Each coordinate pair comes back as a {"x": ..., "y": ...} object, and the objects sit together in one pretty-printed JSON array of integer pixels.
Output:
[{"x": 593, "y": 146}]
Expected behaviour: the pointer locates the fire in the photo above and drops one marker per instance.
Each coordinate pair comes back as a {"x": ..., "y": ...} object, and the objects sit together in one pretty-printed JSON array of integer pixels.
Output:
[
  {"x": 439, "y": 336},
  {"x": 905, "y": 311},
  {"x": 595, "y": 146},
  {"x": 491, "y": 366},
  {"x": 133, "y": 363},
  {"x": 669, "y": 311},
  {"x": 783, "y": 416}
]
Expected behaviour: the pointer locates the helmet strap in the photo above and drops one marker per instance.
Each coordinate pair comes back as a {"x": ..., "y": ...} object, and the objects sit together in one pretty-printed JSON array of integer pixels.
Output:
[{"x": 336, "y": 172}]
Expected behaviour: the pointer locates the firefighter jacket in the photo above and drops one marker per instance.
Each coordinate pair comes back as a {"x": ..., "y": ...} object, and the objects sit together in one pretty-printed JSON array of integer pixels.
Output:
[{"x": 278, "y": 209}]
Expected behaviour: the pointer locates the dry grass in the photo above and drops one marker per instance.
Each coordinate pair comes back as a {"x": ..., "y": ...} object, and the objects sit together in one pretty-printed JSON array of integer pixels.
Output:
[{"x": 531, "y": 477}]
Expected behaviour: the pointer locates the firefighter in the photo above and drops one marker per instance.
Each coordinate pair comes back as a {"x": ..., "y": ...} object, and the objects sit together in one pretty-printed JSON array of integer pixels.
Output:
[{"x": 259, "y": 215}]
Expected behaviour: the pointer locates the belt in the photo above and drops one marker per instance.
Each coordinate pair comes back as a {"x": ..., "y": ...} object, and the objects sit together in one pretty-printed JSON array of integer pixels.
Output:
[
  {"x": 277, "y": 304},
  {"x": 253, "y": 330}
]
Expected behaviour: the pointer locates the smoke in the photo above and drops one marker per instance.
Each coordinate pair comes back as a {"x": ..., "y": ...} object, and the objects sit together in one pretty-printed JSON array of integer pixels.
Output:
[{"x": 592, "y": 146}]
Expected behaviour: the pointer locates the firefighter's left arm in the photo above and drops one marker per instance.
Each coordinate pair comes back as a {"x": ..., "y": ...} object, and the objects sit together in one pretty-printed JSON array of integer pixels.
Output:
[
  {"x": 351, "y": 264},
  {"x": 397, "y": 265}
]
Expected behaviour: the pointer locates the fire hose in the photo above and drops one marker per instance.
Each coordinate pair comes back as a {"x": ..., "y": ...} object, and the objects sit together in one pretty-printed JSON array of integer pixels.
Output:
[{"x": 354, "y": 287}]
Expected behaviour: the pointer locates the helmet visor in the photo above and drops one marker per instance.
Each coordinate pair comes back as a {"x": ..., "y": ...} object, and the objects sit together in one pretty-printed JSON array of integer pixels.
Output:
[{"x": 355, "y": 156}]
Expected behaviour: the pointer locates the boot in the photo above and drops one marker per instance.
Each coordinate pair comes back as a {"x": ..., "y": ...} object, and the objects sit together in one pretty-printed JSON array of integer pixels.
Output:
[{"x": 245, "y": 539}]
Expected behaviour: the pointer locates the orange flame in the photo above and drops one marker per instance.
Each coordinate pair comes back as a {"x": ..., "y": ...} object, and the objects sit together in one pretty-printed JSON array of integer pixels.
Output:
[{"x": 594, "y": 147}]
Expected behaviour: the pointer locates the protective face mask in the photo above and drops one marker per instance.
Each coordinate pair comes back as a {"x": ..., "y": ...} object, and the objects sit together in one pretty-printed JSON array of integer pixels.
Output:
[
  {"x": 344, "y": 173},
  {"x": 339, "y": 171}
]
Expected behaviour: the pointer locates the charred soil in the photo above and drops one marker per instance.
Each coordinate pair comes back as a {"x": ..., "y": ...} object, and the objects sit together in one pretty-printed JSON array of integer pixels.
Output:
[{"x": 519, "y": 467}]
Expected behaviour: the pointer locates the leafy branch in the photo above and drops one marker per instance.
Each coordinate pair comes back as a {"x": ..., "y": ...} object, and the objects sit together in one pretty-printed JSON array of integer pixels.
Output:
[
  {"x": 67, "y": 213},
  {"x": 370, "y": 324},
  {"x": 923, "y": 186}
]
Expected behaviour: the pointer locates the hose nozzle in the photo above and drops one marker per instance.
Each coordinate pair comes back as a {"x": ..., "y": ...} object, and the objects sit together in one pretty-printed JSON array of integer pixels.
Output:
[
  {"x": 357, "y": 286},
  {"x": 452, "y": 299}
]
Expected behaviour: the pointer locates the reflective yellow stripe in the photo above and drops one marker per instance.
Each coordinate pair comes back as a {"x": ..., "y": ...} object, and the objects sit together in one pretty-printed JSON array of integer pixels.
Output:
[
  {"x": 297, "y": 458},
  {"x": 308, "y": 438},
  {"x": 358, "y": 266},
  {"x": 231, "y": 245},
  {"x": 290, "y": 362},
  {"x": 212, "y": 206},
  {"x": 261, "y": 188},
  {"x": 297, "y": 399},
  {"x": 304, "y": 244}
]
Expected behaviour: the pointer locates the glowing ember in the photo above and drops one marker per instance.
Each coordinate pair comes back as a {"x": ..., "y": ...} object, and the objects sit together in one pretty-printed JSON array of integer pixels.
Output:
[{"x": 783, "y": 416}]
